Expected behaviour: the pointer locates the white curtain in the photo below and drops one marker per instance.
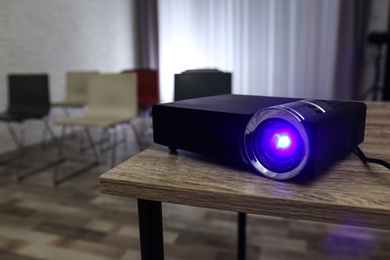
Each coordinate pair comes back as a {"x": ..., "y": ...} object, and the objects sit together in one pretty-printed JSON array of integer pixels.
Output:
[{"x": 272, "y": 47}]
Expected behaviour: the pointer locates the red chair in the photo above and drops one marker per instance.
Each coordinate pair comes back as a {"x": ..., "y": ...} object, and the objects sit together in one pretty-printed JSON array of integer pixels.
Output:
[
  {"x": 147, "y": 92},
  {"x": 147, "y": 87}
]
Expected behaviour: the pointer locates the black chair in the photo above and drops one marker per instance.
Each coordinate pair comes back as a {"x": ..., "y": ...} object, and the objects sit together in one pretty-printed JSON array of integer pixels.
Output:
[
  {"x": 202, "y": 83},
  {"x": 28, "y": 98}
]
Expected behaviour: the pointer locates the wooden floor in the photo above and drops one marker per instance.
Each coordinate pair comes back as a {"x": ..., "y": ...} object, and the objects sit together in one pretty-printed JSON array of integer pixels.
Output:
[{"x": 75, "y": 221}]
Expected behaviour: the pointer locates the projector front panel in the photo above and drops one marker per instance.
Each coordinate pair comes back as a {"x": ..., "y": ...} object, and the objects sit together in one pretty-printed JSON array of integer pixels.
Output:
[{"x": 214, "y": 134}]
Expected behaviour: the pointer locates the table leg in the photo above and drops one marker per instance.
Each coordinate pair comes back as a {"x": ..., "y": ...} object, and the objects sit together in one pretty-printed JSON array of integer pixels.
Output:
[
  {"x": 150, "y": 230},
  {"x": 241, "y": 236}
]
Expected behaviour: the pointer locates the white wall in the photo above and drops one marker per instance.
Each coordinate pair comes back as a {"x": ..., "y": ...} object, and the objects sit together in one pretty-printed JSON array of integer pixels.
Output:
[
  {"x": 272, "y": 48},
  {"x": 56, "y": 36}
]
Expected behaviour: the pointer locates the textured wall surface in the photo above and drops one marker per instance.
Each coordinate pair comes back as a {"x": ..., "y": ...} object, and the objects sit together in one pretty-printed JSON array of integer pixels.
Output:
[{"x": 56, "y": 36}]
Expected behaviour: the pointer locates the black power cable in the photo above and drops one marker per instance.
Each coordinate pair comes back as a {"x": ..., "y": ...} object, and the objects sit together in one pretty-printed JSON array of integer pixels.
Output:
[{"x": 366, "y": 159}]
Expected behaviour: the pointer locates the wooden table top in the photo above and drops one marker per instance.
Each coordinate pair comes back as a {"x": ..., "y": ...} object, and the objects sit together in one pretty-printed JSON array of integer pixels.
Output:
[{"x": 348, "y": 193}]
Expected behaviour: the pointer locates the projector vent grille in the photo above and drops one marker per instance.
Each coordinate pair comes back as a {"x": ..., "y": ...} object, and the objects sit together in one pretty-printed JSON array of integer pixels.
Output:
[
  {"x": 355, "y": 130},
  {"x": 218, "y": 135}
]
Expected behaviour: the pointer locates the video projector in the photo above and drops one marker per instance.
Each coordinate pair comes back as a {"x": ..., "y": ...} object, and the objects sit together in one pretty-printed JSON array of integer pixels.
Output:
[{"x": 282, "y": 138}]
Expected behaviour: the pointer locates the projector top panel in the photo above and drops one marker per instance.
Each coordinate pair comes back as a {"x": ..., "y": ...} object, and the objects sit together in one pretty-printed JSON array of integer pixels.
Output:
[{"x": 235, "y": 104}]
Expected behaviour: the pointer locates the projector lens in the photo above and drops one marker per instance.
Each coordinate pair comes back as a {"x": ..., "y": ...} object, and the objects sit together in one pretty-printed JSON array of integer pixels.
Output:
[
  {"x": 276, "y": 141},
  {"x": 278, "y": 145}
]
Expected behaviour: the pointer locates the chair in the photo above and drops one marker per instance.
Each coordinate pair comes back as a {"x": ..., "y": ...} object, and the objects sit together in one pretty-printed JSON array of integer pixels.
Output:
[
  {"x": 201, "y": 83},
  {"x": 76, "y": 92},
  {"x": 76, "y": 89},
  {"x": 28, "y": 98},
  {"x": 147, "y": 92},
  {"x": 147, "y": 87},
  {"x": 112, "y": 103}
]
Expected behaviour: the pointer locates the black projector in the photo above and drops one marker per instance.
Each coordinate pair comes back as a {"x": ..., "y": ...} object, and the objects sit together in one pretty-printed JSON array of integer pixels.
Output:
[{"x": 282, "y": 138}]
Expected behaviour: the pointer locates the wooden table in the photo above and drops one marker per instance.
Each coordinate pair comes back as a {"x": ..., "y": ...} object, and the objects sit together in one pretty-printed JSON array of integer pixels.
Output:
[{"x": 348, "y": 193}]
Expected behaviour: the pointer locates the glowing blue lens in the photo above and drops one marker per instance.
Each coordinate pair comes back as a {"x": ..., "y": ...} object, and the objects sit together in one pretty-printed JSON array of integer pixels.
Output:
[{"x": 278, "y": 145}]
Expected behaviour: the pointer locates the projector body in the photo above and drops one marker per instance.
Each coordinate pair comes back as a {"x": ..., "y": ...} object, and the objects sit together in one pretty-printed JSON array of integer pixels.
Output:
[{"x": 282, "y": 138}]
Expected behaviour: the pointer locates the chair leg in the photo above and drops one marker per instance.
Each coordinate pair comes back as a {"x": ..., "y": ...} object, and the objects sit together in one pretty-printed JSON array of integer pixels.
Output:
[
  {"x": 44, "y": 144},
  {"x": 104, "y": 142},
  {"x": 21, "y": 176},
  {"x": 58, "y": 180},
  {"x": 124, "y": 135},
  {"x": 105, "y": 138},
  {"x": 20, "y": 149},
  {"x": 113, "y": 152},
  {"x": 50, "y": 131},
  {"x": 60, "y": 152},
  {"x": 110, "y": 131},
  {"x": 136, "y": 135},
  {"x": 67, "y": 115},
  {"x": 8, "y": 158},
  {"x": 56, "y": 163},
  {"x": 90, "y": 140},
  {"x": 14, "y": 136}
]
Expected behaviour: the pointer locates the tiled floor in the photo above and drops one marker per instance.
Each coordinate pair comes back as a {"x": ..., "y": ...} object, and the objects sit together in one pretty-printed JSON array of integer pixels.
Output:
[{"x": 74, "y": 221}]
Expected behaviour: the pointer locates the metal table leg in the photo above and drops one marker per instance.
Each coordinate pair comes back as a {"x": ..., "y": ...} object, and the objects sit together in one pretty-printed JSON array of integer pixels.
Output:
[
  {"x": 241, "y": 236},
  {"x": 150, "y": 230}
]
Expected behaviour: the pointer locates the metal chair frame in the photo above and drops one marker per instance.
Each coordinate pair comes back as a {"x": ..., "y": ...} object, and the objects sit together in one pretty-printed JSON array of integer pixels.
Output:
[
  {"x": 28, "y": 98},
  {"x": 76, "y": 95},
  {"x": 98, "y": 84}
]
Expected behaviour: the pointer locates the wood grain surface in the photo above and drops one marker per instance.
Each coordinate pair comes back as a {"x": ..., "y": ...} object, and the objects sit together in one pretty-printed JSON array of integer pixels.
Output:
[{"x": 348, "y": 193}]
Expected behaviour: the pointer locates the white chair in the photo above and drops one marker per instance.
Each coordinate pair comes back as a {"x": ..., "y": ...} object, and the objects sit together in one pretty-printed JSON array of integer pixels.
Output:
[{"x": 112, "y": 103}]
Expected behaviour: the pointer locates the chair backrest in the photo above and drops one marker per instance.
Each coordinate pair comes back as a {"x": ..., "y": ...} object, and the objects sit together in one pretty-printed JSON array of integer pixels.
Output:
[
  {"x": 113, "y": 95},
  {"x": 76, "y": 86},
  {"x": 147, "y": 87},
  {"x": 202, "y": 83},
  {"x": 28, "y": 95}
]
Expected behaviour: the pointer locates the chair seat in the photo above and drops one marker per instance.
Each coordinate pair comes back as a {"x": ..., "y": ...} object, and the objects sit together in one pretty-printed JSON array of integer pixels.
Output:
[
  {"x": 98, "y": 121},
  {"x": 67, "y": 103}
]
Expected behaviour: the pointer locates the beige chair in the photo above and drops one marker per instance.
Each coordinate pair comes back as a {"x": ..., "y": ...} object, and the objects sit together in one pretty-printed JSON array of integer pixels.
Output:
[
  {"x": 76, "y": 94},
  {"x": 76, "y": 89},
  {"x": 112, "y": 103}
]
